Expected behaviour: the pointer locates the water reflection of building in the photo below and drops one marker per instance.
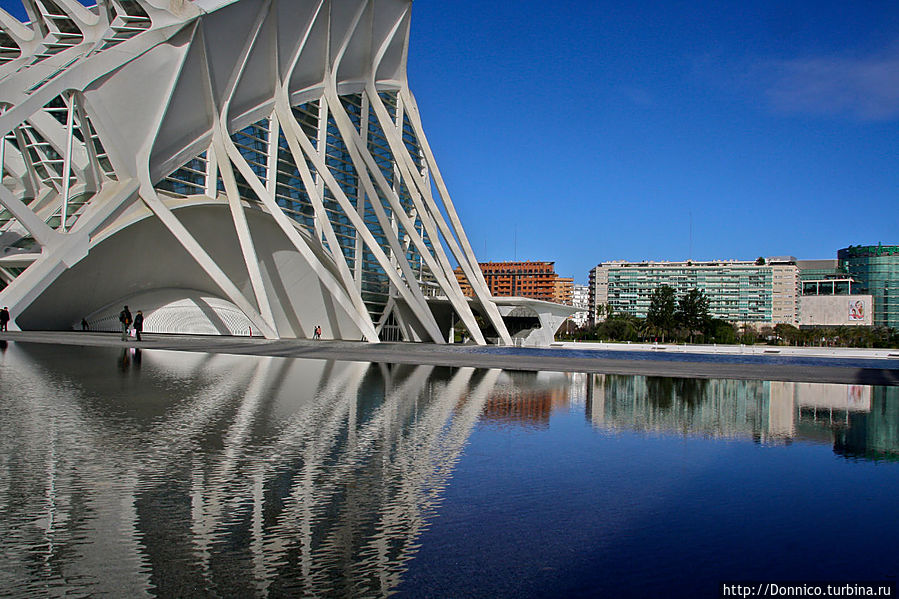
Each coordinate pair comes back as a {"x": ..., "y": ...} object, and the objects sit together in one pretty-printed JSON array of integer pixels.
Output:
[
  {"x": 860, "y": 420},
  {"x": 234, "y": 475},
  {"x": 242, "y": 476},
  {"x": 526, "y": 398},
  {"x": 873, "y": 433},
  {"x": 718, "y": 408}
]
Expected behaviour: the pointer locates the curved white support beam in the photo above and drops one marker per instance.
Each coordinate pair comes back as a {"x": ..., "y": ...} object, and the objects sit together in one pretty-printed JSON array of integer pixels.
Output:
[
  {"x": 440, "y": 267},
  {"x": 162, "y": 98},
  {"x": 220, "y": 156},
  {"x": 300, "y": 146},
  {"x": 364, "y": 162},
  {"x": 430, "y": 212},
  {"x": 338, "y": 292},
  {"x": 38, "y": 229},
  {"x": 476, "y": 277},
  {"x": 244, "y": 238},
  {"x": 183, "y": 236}
]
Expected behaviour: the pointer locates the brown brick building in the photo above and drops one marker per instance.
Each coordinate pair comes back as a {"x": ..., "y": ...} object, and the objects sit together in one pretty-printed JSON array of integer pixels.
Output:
[{"x": 537, "y": 280}]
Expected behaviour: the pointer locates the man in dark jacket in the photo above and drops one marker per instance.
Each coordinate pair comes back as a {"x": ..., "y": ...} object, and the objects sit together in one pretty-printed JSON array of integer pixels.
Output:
[
  {"x": 125, "y": 319},
  {"x": 4, "y": 318}
]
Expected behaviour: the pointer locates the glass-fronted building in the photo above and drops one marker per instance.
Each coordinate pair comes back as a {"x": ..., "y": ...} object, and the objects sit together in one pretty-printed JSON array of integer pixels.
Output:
[
  {"x": 826, "y": 277},
  {"x": 293, "y": 198},
  {"x": 876, "y": 268}
]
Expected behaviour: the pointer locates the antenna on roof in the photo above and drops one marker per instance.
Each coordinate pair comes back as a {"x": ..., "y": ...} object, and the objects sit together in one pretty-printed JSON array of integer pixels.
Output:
[
  {"x": 690, "y": 253},
  {"x": 515, "y": 243}
]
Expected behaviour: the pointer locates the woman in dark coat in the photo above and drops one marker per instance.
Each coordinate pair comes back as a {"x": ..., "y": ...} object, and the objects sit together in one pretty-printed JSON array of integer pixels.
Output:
[{"x": 138, "y": 324}]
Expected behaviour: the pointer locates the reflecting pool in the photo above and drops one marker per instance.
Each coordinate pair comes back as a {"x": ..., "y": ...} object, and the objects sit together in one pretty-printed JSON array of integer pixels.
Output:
[{"x": 152, "y": 473}]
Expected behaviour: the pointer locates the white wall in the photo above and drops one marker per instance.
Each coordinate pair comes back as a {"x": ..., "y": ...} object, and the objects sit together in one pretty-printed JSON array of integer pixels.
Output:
[{"x": 836, "y": 310}]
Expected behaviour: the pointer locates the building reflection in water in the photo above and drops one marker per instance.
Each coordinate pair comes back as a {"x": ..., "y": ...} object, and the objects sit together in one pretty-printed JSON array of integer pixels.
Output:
[
  {"x": 222, "y": 474},
  {"x": 860, "y": 420},
  {"x": 176, "y": 474},
  {"x": 522, "y": 398}
]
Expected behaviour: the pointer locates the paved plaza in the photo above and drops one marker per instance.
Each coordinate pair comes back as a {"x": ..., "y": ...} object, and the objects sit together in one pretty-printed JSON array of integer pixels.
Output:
[{"x": 876, "y": 367}]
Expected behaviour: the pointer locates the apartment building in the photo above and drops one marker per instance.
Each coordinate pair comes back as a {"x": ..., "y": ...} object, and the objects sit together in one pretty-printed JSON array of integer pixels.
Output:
[
  {"x": 536, "y": 280},
  {"x": 760, "y": 292}
]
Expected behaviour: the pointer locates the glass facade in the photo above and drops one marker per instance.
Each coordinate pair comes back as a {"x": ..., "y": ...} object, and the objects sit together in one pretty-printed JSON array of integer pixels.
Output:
[
  {"x": 292, "y": 196},
  {"x": 876, "y": 268},
  {"x": 826, "y": 277},
  {"x": 830, "y": 287},
  {"x": 819, "y": 270}
]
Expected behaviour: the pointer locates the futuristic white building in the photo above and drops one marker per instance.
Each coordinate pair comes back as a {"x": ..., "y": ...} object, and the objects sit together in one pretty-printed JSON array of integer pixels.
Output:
[{"x": 227, "y": 166}]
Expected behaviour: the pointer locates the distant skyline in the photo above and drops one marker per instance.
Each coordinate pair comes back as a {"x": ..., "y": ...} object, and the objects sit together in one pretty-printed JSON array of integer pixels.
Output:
[{"x": 598, "y": 131}]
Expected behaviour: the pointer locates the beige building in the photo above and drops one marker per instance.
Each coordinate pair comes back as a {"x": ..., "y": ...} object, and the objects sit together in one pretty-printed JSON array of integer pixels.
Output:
[
  {"x": 784, "y": 290},
  {"x": 563, "y": 288},
  {"x": 836, "y": 310}
]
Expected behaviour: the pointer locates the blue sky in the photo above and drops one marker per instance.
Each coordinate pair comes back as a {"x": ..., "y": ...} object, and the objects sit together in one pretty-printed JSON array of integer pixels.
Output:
[
  {"x": 588, "y": 131},
  {"x": 580, "y": 132}
]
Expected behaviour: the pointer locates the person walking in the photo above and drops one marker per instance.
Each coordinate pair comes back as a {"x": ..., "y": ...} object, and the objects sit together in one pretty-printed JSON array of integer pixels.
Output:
[
  {"x": 83, "y": 324},
  {"x": 4, "y": 319},
  {"x": 317, "y": 334},
  {"x": 125, "y": 319},
  {"x": 138, "y": 324}
]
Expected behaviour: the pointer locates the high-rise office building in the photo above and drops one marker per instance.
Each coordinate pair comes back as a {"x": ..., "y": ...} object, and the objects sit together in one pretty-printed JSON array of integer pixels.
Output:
[{"x": 876, "y": 268}]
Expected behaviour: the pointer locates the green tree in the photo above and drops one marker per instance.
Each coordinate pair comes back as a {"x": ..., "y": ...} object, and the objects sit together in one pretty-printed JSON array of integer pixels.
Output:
[
  {"x": 790, "y": 334},
  {"x": 619, "y": 327},
  {"x": 662, "y": 308},
  {"x": 721, "y": 331},
  {"x": 748, "y": 334},
  {"x": 693, "y": 312},
  {"x": 604, "y": 311}
]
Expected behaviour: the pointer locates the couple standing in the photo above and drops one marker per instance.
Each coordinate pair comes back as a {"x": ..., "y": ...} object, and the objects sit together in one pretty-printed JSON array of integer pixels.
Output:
[{"x": 125, "y": 319}]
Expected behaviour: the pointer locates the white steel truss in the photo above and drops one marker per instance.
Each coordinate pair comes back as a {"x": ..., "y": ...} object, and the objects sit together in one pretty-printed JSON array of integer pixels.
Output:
[{"x": 271, "y": 150}]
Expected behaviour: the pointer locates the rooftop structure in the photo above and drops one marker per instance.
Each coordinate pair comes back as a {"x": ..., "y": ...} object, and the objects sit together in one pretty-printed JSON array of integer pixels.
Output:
[{"x": 825, "y": 277}]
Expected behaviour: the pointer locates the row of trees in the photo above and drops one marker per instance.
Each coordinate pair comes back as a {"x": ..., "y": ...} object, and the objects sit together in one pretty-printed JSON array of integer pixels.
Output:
[
  {"x": 687, "y": 319},
  {"x": 669, "y": 318},
  {"x": 786, "y": 334},
  {"x": 668, "y": 315}
]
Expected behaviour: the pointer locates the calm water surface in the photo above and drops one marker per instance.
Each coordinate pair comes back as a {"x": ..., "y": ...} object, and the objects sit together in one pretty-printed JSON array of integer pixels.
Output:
[{"x": 127, "y": 473}]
